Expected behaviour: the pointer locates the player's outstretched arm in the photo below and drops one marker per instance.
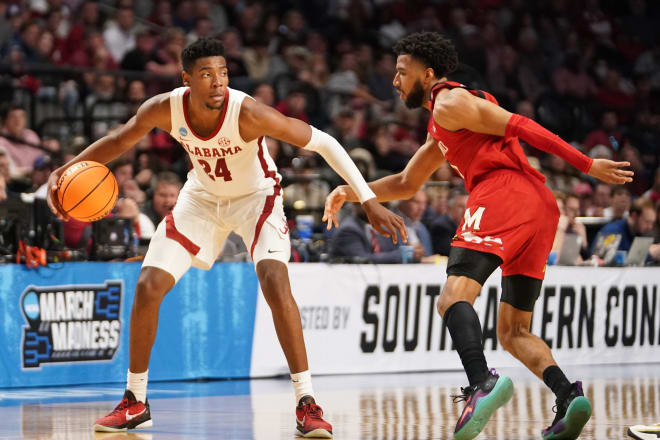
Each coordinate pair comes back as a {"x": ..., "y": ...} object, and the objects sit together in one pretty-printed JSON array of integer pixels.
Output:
[
  {"x": 155, "y": 112},
  {"x": 261, "y": 120},
  {"x": 400, "y": 186},
  {"x": 457, "y": 108}
]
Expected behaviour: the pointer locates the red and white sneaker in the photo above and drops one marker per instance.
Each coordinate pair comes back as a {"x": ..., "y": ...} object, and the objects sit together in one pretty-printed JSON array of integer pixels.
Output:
[
  {"x": 309, "y": 420},
  {"x": 129, "y": 414}
]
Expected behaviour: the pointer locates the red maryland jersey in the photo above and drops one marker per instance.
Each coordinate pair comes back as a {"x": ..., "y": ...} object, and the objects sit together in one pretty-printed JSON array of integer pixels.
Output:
[{"x": 473, "y": 155}]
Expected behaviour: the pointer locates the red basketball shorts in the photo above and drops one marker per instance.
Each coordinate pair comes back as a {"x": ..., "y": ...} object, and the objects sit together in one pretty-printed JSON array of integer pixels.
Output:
[{"x": 514, "y": 216}]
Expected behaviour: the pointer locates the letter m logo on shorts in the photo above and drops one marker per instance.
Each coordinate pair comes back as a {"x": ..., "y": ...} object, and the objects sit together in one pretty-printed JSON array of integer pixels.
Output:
[{"x": 473, "y": 221}]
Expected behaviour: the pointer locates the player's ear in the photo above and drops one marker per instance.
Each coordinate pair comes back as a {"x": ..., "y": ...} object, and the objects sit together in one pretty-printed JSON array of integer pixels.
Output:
[
  {"x": 185, "y": 77},
  {"x": 429, "y": 75}
]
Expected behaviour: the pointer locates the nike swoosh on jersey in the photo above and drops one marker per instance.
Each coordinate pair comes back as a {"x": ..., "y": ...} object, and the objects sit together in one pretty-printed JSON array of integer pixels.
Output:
[{"x": 270, "y": 251}]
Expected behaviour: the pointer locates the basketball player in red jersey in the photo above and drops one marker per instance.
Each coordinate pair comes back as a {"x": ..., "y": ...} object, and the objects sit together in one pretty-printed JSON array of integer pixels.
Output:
[
  {"x": 510, "y": 221},
  {"x": 233, "y": 186}
]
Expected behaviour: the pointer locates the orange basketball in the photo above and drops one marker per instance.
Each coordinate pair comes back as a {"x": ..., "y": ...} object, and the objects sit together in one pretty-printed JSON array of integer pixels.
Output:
[{"x": 87, "y": 191}]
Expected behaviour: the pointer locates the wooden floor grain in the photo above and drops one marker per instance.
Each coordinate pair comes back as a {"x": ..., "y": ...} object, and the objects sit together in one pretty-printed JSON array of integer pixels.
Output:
[{"x": 388, "y": 406}]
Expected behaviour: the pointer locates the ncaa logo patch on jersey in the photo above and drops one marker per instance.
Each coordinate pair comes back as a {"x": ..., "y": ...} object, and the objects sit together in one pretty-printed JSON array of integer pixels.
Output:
[{"x": 183, "y": 131}]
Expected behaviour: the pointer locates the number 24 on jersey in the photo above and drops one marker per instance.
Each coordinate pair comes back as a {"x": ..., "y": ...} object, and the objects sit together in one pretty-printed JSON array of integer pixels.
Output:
[{"x": 221, "y": 170}]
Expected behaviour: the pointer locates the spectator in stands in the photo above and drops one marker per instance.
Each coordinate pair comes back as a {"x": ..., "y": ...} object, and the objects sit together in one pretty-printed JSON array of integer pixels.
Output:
[
  {"x": 654, "y": 192},
  {"x": 203, "y": 29},
  {"x": 45, "y": 52},
  {"x": 443, "y": 229},
  {"x": 167, "y": 59},
  {"x": 28, "y": 40},
  {"x": 138, "y": 57},
  {"x": 101, "y": 104},
  {"x": 162, "y": 14},
  {"x": 184, "y": 16},
  {"x": 92, "y": 53},
  {"x": 345, "y": 81},
  {"x": 87, "y": 17},
  {"x": 620, "y": 204},
  {"x": 346, "y": 126},
  {"x": 166, "y": 191},
  {"x": 380, "y": 80},
  {"x": 438, "y": 196},
  {"x": 419, "y": 238},
  {"x": 214, "y": 11},
  {"x": 265, "y": 94},
  {"x": 136, "y": 94},
  {"x": 558, "y": 175},
  {"x": 119, "y": 35},
  {"x": 601, "y": 199},
  {"x": 127, "y": 208},
  {"x": 233, "y": 43},
  {"x": 3, "y": 189},
  {"x": 6, "y": 165},
  {"x": 621, "y": 233},
  {"x": 308, "y": 191},
  {"x": 261, "y": 64},
  {"x": 356, "y": 241},
  {"x": 295, "y": 104},
  {"x": 569, "y": 208},
  {"x": 41, "y": 169},
  {"x": 124, "y": 173},
  {"x": 643, "y": 176},
  {"x": 18, "y": 140},
  {"x": 609, "y": 127}
]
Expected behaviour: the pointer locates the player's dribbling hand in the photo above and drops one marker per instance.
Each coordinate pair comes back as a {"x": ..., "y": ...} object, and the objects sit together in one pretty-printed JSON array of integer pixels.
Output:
[
  {"x": 385, "y": 221},
  {"x": 333, "y": 204},
  {"x": 611, "y": 172},
  {"x": 51, "y": 198}
]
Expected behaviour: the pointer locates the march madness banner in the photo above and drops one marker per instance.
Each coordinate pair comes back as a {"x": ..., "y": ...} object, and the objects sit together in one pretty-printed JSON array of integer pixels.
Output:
[
  {"x": 370, "y": 318},
  {"x": 69, "y": 324}
]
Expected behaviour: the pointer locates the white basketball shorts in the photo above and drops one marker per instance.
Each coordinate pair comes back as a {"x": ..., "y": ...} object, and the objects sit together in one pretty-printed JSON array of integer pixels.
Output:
[{"x": 194, "y": 232}]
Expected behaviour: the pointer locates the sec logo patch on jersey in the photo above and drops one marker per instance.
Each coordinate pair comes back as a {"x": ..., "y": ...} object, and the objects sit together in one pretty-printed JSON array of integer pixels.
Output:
[{"x": 183, "y": 131}]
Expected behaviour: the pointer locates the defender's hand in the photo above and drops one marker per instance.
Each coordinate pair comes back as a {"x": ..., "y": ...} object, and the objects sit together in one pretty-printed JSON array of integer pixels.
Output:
[
  {"x": 611, "y": 172},
  {"x": 385, "y": 221},
  {"x": 333, "y": 204},
  {"x": 51, "y": 197}
]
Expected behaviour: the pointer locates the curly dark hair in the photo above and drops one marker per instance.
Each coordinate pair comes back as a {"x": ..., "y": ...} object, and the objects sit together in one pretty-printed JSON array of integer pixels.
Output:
[
  {"x": 431, "y": 49},
  {"x": 202, "y": 48}
]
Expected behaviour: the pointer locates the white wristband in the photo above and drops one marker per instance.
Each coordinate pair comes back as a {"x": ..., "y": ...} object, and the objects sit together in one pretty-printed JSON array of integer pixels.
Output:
[{"x": 335, "y": 155}]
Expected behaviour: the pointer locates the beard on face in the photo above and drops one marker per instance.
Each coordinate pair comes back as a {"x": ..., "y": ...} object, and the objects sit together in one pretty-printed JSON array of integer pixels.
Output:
[
  {"x": 215, "y": 107},
  {"x": 415, "y": 98}
]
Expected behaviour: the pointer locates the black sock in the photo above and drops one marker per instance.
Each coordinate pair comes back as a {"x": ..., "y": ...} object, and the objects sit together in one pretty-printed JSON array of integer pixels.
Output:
[
  {"x": 465, "y": 330},
  {"x": 556, "y": 380}
]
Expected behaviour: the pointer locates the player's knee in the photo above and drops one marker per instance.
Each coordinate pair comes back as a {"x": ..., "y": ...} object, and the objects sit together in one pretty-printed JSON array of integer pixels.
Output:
[
  {"x": 507, "y": 334},
  {"x": 448, "y": 297},
  {"x": 149, "y": 290},
  {"x": 274, "y": 281}
]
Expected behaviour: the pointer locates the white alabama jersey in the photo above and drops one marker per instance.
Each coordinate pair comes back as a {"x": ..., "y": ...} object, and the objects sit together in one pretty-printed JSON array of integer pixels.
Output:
[{"x": 223, "y": 163}]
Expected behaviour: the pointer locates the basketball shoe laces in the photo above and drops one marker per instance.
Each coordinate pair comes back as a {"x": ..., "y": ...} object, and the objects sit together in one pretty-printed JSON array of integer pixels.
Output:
[
  {"x": 561, "y": 406},
  {"x": 122, "y": 406},
  {"x": 465, "y": 395},
  {"x": 315, "y": 412}
]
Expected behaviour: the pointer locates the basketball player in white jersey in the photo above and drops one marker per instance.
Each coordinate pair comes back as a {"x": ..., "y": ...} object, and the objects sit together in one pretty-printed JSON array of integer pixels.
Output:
[{"x": 233, "y": 186}]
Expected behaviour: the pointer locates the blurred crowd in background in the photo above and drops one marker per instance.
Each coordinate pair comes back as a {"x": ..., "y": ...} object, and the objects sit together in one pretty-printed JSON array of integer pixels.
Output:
[{"x": 588, "y": 70}]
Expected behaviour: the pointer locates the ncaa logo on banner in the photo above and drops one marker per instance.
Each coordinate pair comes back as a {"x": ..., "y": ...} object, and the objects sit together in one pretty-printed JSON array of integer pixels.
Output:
[{"x": 70, "y": 323}]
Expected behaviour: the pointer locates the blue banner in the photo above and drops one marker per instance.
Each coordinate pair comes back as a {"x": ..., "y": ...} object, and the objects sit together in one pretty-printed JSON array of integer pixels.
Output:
[{"x": 69, "y": 324}]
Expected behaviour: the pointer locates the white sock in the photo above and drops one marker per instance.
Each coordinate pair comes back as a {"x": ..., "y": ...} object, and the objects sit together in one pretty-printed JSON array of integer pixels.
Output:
[
  {"x": 137, "y": 383},
  {"x": 302, "y": 384}
]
